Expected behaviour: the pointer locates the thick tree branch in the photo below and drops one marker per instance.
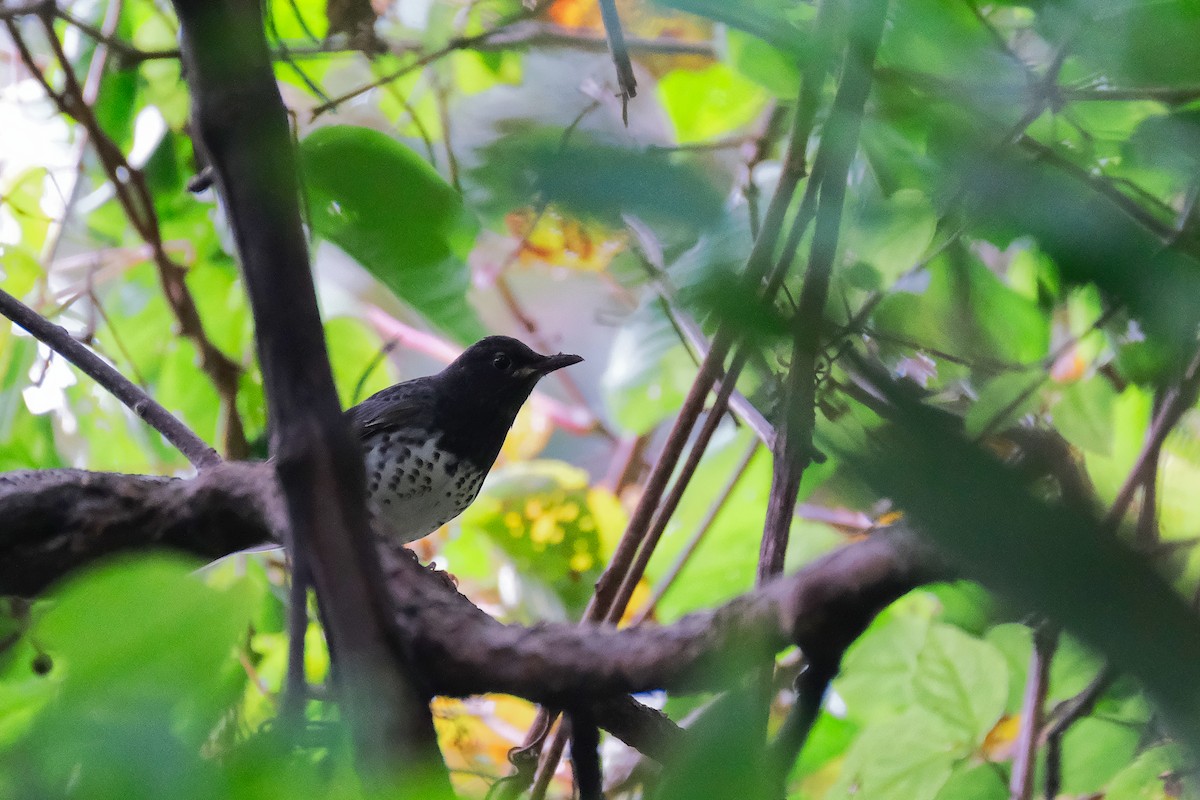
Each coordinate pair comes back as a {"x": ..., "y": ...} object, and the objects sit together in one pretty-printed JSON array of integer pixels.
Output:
[
  {"x": 458, "y": 647},
  {"x": 56, "y": 521}
]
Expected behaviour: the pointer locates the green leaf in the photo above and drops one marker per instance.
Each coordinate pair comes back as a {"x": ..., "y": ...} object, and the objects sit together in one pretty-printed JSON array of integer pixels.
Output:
[
  {"x": 381, "y": 203},
  {"x": 1042, "y": 556},
  {"x": 649, "y": 370},
  {"x": 1130, "y": 41},
  {"x": 779, "y": 22},
  {"x": 1003, "y": 401},
  {"x": 354, "y": 348},
  {"x": 891, "y": 234},
  {"x": 723, "y": 564},
  {"x": 961, "y": 680},
  {"x": 1083, "y": 414},
  {"x": 1093, "y": 751},
  {"x": 974, "y": 782},
  {"x": 775, "y": 69},
  {"x": 877, "y": 673},
  {"x": 709, "y": 103},
  {"x": 908, "y": 757},
  {"x": 967, "y": 312},
  {"x": 1090, "y": 237},
  {"x": 1150, "y": 775},
  {"x": 144, "y": 625},
  {"x": 592, "y": 179}
]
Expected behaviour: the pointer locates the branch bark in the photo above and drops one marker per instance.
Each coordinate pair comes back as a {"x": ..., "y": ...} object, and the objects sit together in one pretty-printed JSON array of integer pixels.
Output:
[
  {"x": 458, "y": 648},
  {"x": 241, "y": 123}
]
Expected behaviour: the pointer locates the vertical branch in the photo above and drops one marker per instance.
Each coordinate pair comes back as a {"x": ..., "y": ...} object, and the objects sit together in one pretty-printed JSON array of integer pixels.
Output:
[
  {"x": 793, "y": 450},
  {"x": 620, "y": 55},
  {"x": 585, "y": 755},
  {"x": 243, "y": 127},
  {"x": 1045, "y": 641}
]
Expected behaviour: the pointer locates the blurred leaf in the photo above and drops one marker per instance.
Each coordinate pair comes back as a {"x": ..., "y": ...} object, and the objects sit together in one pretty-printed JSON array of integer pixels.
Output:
[
  {"x": 387, "y": 208},
  {"x": 132, "y": 630},
  {"x": 353, "y": 349},
  {"x": 966, "y": 311},
  {"x": 1003, "y": 401},
  {"x": 1170, "y": 141},
  {"x": 593, "y": 180},
  {"x": 1083, "y": 414},
  {"x": 947, "y": 39},
  {"x": 910, "y": 756},
  {"x": 1129, "y": 41},
  {"x": 775, "y": 69},
  {"x": 1154, "y": 775},
  {"x": 891, "y": 234},
  {"x": 977, "y": 782},
  {"x": 1046, "y": 557},
  {"x": 1093, "y": 751},
  {"x": 724, "y": 753},
  {"x": 116, "y": 102},
  {"x": 709, "y": 103},
  {"x": 781, "y": 23},
  {"x": 649, "y": 370},
  {"x": 550, "y": 523},
  {"x": 962, "y": 681},
  {"x": 877, "y": 673},
  {"x": 1091, "y": 239}
]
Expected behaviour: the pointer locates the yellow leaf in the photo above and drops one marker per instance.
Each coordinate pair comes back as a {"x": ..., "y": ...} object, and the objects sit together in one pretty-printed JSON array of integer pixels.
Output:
[{"x": 998, "y": 744}]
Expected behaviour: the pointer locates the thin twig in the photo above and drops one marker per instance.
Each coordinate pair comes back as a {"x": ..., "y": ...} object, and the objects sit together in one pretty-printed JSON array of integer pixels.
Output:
[
  {"x": 794, "y": 450},
  {"x": 670, "y": 502},
  {"x": 456, "y": 43},
  {"x": 1064, "y": 715},
  {"x": 620, "y": 55},
  {"x": 1177, "y": 400},
  {"x": 685, "y": 555},
  {"x": 1045, "y": 641},
  {"x": 194, "y": 449}
]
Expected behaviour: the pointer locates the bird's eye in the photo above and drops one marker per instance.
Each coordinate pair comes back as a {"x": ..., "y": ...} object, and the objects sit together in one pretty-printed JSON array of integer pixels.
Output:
[{"x": 501, "y": 362}]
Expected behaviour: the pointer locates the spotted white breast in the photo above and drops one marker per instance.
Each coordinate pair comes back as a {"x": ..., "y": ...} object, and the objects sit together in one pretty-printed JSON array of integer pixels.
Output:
[{"x": 413, "y": 486}]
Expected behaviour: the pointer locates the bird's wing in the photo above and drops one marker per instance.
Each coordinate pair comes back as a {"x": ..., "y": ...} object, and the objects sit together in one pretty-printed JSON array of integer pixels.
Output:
[{"x": 390, "y": 410}]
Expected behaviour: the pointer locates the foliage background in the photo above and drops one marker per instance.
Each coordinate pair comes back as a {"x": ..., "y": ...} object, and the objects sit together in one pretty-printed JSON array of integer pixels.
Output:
[{"x": 1019, "y": 240}]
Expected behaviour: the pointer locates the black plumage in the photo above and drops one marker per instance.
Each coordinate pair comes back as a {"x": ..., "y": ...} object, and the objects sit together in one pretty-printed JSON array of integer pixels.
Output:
[{"x": 428, "y": 443}]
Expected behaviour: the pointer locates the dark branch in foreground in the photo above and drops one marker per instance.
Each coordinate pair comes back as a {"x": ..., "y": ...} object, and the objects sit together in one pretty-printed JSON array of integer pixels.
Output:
[
  {"x": 240, "y": 123},
  {"x": 457, "y": 647}
]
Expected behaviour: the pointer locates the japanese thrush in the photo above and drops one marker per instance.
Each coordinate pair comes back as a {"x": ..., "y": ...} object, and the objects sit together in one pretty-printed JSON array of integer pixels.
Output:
[{"x": 429, "y": 442}]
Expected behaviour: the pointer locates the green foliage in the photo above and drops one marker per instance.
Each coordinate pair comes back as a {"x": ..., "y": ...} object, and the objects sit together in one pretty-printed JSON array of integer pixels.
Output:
[
  {"x": 381, "y": 203},
  {"x": 1019, "y": 241}
]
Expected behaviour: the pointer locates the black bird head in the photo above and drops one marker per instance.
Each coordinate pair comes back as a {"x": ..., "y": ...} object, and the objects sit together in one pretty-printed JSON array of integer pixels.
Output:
[
  {"x": 501, "y": 369},
  {"x": 482, "y": 390}
]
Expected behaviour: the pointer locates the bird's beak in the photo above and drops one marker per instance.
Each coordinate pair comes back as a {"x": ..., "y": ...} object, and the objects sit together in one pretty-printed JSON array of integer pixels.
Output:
[{"x": 552, "y": 363}]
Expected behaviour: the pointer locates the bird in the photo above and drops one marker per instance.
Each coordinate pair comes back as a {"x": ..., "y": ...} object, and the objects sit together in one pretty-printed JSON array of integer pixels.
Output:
[{"x": 429, "y": 442}]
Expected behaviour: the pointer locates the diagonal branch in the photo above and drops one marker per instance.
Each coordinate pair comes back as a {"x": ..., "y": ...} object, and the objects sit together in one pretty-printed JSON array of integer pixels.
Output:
[{"x": 195, "y": 449}]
